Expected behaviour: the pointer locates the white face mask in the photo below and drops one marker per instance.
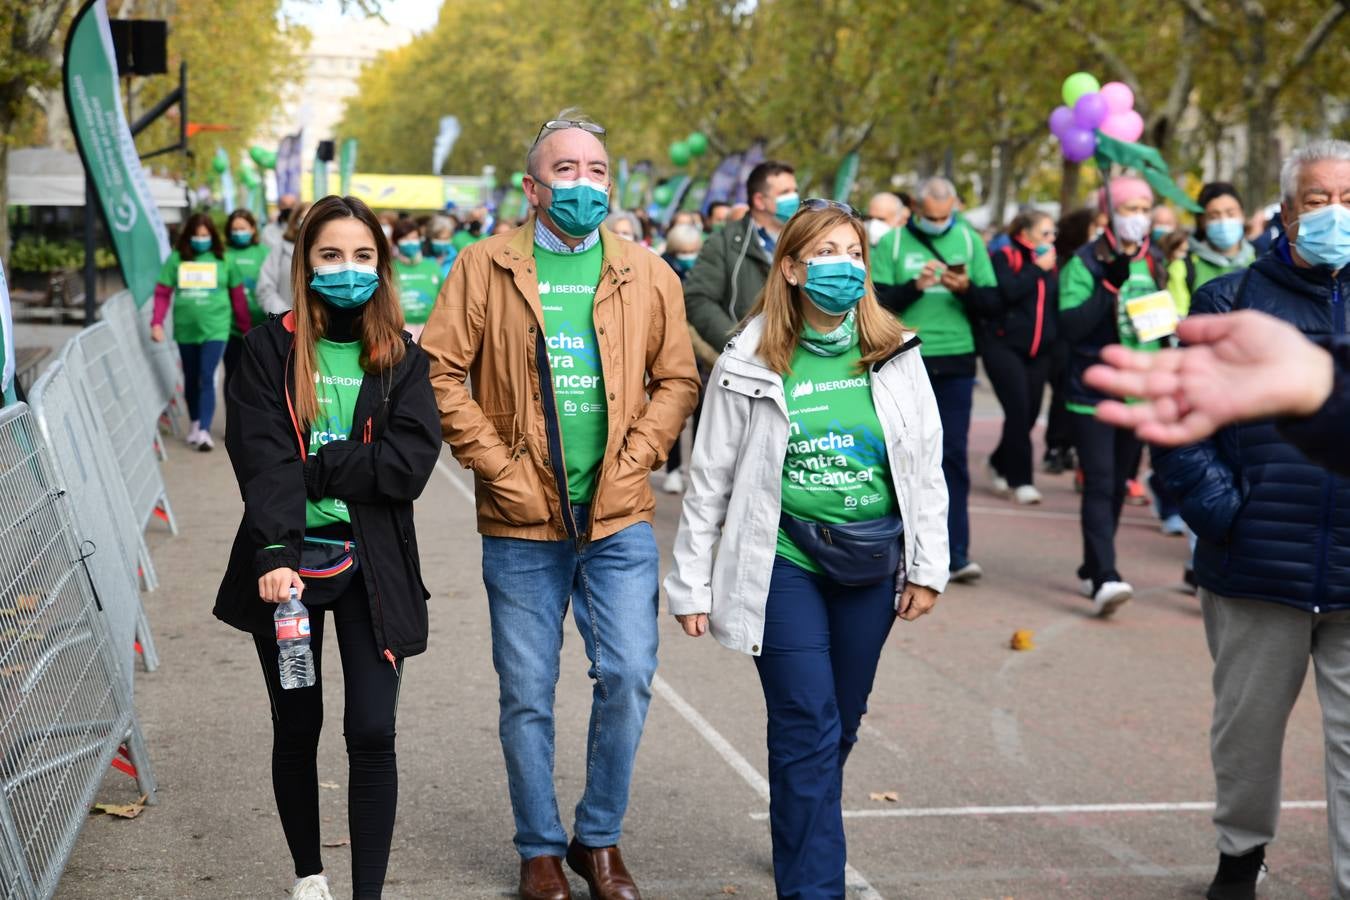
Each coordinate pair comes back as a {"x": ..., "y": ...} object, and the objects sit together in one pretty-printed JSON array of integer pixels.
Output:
[
  {"x": 1132, "y": 229},
  {"x": 876, "y": 230}
]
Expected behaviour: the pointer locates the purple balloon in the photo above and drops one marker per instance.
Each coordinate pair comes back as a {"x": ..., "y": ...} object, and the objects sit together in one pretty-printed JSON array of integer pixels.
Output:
[
  {"x": 1090, "y": 111},
  {"x": 1078, "y": 145},
  {"x": 1061, "y": 120}
]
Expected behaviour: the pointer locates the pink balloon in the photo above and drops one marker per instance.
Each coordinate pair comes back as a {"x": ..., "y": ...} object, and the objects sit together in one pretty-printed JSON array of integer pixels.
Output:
[
  {"x": 1089, "y": 112},
  {"x": 1078, "y": 145},
  {"x": 1061, "y": 120},
  {"x": 1127, "y": 126},
  {"x": 1118, "y": 96}
]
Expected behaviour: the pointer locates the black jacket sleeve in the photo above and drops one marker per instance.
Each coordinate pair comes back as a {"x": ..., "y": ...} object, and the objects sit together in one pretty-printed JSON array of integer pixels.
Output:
[
  {"x": 898, "y": 298},
  {"x": 982, "y": 302},
  {"x": 1015, "y": 288},
  {"x": 265, "y": 454},
  {"x": 394, "y": 467},
  {"x": 1325, "y": 435}
]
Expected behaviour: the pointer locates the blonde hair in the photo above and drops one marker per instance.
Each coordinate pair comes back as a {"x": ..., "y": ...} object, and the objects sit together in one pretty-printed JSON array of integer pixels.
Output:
[{"x": 780, "y": 303}]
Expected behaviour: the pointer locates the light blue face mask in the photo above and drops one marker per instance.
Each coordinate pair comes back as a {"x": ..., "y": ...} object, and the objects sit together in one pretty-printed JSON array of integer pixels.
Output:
[
  {"x": 410, "y": 249},
  {"x": 785, "y": 207},
  {"x": 346, "y": 285},
  {"x": 199, "y": 244},
  {"x": 1225, "y": 233},
  {"x": 579, "y": 206},
  {"x": 440, "y": 248},
  {"x": 928, "y": 226},
  {"x": 1324, "y": 236},
  {"x": 835, "y": 284}
]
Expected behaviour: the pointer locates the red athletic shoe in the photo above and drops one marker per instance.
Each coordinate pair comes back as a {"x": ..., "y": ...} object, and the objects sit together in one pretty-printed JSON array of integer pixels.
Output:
[{"x": 1135, "y": 495}]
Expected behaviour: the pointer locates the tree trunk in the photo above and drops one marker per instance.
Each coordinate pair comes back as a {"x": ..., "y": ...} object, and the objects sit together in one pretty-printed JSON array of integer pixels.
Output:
[
  {"x": 998, "y": 191},
  {"x": 1259, "y": 177},
  {"x": 1068, "y": 188}
]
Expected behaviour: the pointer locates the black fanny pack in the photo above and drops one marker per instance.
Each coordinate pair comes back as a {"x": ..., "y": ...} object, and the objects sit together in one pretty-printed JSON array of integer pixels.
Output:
[
  {"x": 855, "y": 554},
  {"x": 327, "y": 568}
]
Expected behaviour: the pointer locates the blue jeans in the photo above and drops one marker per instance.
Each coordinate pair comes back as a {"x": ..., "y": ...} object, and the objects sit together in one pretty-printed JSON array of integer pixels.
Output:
[
  {"x": 199, "y": 379},
  {"x": 955, "y": 393},
  {"x": 822, "y": 643},
  {"x": 529, "y": 585}
]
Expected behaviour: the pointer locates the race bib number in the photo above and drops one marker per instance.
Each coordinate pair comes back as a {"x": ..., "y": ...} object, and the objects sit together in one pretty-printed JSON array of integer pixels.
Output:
[
  {"x": 197, "y": 276},
  {"x": 1154, "y": 316}
]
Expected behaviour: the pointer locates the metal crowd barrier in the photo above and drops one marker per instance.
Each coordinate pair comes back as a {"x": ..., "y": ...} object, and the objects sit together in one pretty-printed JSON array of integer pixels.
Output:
[
  {"x": 154, "y": 393},
  {"x": 65, "y": 708}
]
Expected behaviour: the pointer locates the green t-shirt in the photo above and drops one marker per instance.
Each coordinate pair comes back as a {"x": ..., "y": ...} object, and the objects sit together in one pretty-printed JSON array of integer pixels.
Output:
[
  {"x": 567, "y": 285},
  {"x": 836, "y": 469},
  {"x": 248, "y": 260},
  {"x": 337, "y": 383},
  {"x": 938, "y": 316},
  {"x": 418, "y": 285},
  {"x": 462, "y": 239},
  {"x": 201, "y": 297}
]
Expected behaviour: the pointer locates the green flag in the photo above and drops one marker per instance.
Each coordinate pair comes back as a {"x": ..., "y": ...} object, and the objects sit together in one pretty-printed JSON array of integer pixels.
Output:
[
  {"x": 346, "y": 166},
  {"x": 320, "y": 179},
  {"x": 94, "y": 104},
  {"x": 7, "y": 394},
  {"x": 1148, "y": 162},
  {"x": 845, "y": 177}
]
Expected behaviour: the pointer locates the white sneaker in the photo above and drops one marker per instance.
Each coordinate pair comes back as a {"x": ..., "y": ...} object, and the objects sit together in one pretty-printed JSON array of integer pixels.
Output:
[
  {"x": 674, "y": 483},
  {"x": 970, "y": 572},
  {"x": 311, "y": 887},
  {"x": 204, "y": 442},
  {"x": 1027, "y": 495},
  {"x": 997, "y": 481},
  {"x": 1085, "y": 588},
  {"x": 1110, "y": 597},
  {"x": 194, "y": 435}
]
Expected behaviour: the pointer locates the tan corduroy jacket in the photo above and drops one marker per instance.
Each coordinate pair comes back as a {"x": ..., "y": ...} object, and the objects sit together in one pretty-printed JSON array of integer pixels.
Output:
[{"x": 490, "y": 371}]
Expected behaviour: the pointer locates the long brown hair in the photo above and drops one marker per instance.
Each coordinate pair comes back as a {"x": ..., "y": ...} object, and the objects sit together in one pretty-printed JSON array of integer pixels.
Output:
[
  {"x": 382, "y": 345},
  {"x": 879, "y": 332},
  {"x": 184, "y": 246}
]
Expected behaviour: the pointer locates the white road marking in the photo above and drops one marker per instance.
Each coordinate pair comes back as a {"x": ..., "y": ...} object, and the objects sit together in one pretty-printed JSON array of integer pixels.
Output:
[
  {"x": 857, "y": 885},
  {"x": 455, "y": 481},
  {"x": 1042, "y": 810}
]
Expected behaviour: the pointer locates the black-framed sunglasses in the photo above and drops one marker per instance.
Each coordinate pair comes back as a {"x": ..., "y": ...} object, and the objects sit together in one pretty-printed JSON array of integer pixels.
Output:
[
  {"x": 818, "y": 203},
  {"x": 560, "y": 124}
]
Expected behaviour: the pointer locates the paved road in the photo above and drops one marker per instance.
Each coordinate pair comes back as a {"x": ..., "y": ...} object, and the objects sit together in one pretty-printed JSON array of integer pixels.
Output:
[{"x": 1060, "y": 741}]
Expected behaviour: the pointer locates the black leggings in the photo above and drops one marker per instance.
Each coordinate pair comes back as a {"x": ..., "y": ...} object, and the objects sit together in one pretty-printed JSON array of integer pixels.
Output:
[
  {"x": 1019, "y": 384},
  {"x": 371, "y": 687},
  {"x": 1109, "y": 457}
]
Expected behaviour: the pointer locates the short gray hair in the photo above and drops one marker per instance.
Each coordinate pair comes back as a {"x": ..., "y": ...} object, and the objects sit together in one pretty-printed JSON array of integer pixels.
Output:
[
  {"x": 623, "y": 215},
  {"x": 438, "y": 224},
  {"x": 935, "y": 188},
  {"x": 1328, "y": 148},
  {"x": 685, "y": 235},
  {"x": 570, "y": 114}
]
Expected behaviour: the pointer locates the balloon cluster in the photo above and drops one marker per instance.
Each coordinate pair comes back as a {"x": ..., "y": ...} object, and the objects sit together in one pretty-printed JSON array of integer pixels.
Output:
[
  {"x": 1091, "y": 107},
  {"x": 681, "y": 152}
]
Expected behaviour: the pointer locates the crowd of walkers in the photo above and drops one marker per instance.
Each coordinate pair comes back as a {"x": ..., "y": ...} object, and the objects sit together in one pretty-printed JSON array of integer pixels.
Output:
[{"x": 824, "y": 363}]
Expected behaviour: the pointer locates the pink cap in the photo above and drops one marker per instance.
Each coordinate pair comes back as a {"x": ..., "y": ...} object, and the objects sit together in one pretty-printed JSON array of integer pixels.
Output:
[{"x": 1125, "y": 188}]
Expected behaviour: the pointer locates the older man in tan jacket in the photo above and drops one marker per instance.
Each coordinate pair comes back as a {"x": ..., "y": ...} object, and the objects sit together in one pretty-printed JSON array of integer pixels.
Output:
[{"x": 582, "y": 375}]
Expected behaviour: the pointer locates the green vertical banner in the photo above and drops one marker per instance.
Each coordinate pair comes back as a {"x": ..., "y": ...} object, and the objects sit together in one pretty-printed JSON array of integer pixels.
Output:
[
  {"x": 7, "y": 347},
  {"x": 320, "y": 179},
  {"x": 346, "y": 166},
  {"x": 108, "y": 150},
  {"x": 845, "y": 177}
]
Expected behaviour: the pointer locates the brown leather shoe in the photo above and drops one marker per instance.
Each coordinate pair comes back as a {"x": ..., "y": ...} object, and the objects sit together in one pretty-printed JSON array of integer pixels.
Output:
[
  {"x": 604, "y": 871},
  {"x": 542, "y": 878}
]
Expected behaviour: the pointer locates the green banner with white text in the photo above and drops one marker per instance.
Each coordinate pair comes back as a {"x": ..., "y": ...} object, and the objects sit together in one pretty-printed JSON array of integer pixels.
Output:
[{"x": 94, "y": 103}]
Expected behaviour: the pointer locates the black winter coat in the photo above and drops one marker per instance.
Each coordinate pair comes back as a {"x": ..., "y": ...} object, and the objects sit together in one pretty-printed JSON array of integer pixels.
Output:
[
  {"x": 1272, "y": 524},
  {"x": 378, "y": 477},
  {"x": 1029, "y": 322}
]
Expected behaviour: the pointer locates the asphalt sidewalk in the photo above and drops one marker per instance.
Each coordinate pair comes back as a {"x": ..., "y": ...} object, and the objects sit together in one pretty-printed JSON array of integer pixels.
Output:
[{"x": 1072, "y": 770}]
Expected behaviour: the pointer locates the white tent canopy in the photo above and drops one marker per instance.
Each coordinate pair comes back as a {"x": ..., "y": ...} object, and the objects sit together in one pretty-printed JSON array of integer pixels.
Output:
[{"x": 42, "y": 176}]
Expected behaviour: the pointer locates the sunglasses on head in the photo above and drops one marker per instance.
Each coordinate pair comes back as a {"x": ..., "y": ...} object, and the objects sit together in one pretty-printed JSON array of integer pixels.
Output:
[
  {"x": 818, "y": 203},
  {"x": 562, "y": 124}
]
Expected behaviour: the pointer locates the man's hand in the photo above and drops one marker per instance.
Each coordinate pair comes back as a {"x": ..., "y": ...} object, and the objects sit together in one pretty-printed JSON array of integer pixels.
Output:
[
  {"x": 695, "y": 625},
  {"x": 157, "y": 333},
  {"x": 1238, "y": 366},
  {"x": 929, "y": 276},
  {"x": 275, "y": 586},
  {"x": 956, "y": 282},
  {"x": 916, "y": 601}
]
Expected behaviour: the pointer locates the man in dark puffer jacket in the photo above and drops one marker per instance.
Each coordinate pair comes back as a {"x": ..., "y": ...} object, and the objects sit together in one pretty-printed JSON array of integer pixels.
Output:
[{"x": 1273, "y": 561}]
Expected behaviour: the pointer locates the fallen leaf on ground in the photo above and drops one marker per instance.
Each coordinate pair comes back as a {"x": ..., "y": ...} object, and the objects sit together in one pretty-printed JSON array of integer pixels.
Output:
[
  {"x": 1021, "y": 640},
  {"x": 331, "y": 785},
  {"x": 27, "y": 602},
  {"x": 730, "y": 889},
  {"x": 120, "y": 810},
  {"x": 340, "y": 842},
  {"x": 885, "y": 796},
  {"x": 15, "y": 669}
]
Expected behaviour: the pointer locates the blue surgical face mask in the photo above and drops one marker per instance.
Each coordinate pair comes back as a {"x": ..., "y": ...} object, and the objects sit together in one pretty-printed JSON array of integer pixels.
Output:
[
  {"x": 578, "y": 207},
  {"x": 440, "y": 248},
  {"x": 1324, "y": 236},
  {"x": 1159, "y": 232},
  {"x": 686, "y": 260},
  {"x": 835, "y": 284},
  {"x": 199, "y": 244},
  {"x": 347, "y": 285},
  {"x": 241, "y": 239},
  {"x": 928, "y": 226},
  {"x": 1225, "y": 233},
  {"x": 785, "y": 207},
  {"x": 410, "y": 249}
]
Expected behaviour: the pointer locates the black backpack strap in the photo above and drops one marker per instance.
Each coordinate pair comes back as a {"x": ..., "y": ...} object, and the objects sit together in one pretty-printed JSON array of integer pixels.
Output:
[{"x": 927, "y": 242}]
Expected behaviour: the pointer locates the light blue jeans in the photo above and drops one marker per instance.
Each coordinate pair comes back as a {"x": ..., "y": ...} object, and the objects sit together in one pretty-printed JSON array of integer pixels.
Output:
[{"x": 613, "y": 583}]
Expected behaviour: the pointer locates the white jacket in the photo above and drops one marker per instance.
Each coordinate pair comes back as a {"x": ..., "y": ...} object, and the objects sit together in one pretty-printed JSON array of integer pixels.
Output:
[
  {"x": 728, "y": 533},
  {"x": 274, "y": 280}
]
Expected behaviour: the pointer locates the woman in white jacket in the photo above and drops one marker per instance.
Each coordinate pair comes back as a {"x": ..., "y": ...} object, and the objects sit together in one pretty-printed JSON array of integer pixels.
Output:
[
  {"x": 816, "y": 513},
  {"x": 274, "y": 280}
]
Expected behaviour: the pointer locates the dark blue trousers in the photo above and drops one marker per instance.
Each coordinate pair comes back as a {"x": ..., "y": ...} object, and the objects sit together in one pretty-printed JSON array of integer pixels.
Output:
[
  {"x": 955, "y": 393},
  {"x": 821, "y": 646}
]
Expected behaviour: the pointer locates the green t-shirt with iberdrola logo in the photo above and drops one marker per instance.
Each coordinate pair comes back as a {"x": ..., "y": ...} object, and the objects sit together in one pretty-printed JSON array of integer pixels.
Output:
[
  {"x": 337, "y": 384},
  {"x": 248, "y": 260},
  {"x": 836, "y": 470},
  {"x": 201, "y": 297},
  {"x": 418, "y": 285},
  {"x": 567, "y": 285}
]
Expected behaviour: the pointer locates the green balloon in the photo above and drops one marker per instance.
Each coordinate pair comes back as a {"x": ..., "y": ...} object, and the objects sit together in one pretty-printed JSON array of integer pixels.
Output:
[
  {"x": 1078, "y": 84},
  {"x": 517, "y": 179},
  {"x": 267, "y": 159},
  {"x": 664, "y": 193},
  {"x": 219, "y": 164},
  {"x": 679, "y": 153},
  {"x": 697, "y": 142},
  {"x": 249, "y": 176}
]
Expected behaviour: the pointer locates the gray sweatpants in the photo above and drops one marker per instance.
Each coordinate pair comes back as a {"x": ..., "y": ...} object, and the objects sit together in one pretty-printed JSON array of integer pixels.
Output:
[{"x": 1261, "y": 652}]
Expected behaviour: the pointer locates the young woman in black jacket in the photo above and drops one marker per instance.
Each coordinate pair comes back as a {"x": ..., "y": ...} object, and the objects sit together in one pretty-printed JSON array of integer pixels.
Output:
[
  {"x": 332, "y": 430},
  {"x": 1017, "y": 347}
]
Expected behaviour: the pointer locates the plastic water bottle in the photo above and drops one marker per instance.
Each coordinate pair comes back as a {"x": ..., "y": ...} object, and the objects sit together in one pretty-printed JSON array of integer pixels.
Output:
[{"x": 295, "y": 660}]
